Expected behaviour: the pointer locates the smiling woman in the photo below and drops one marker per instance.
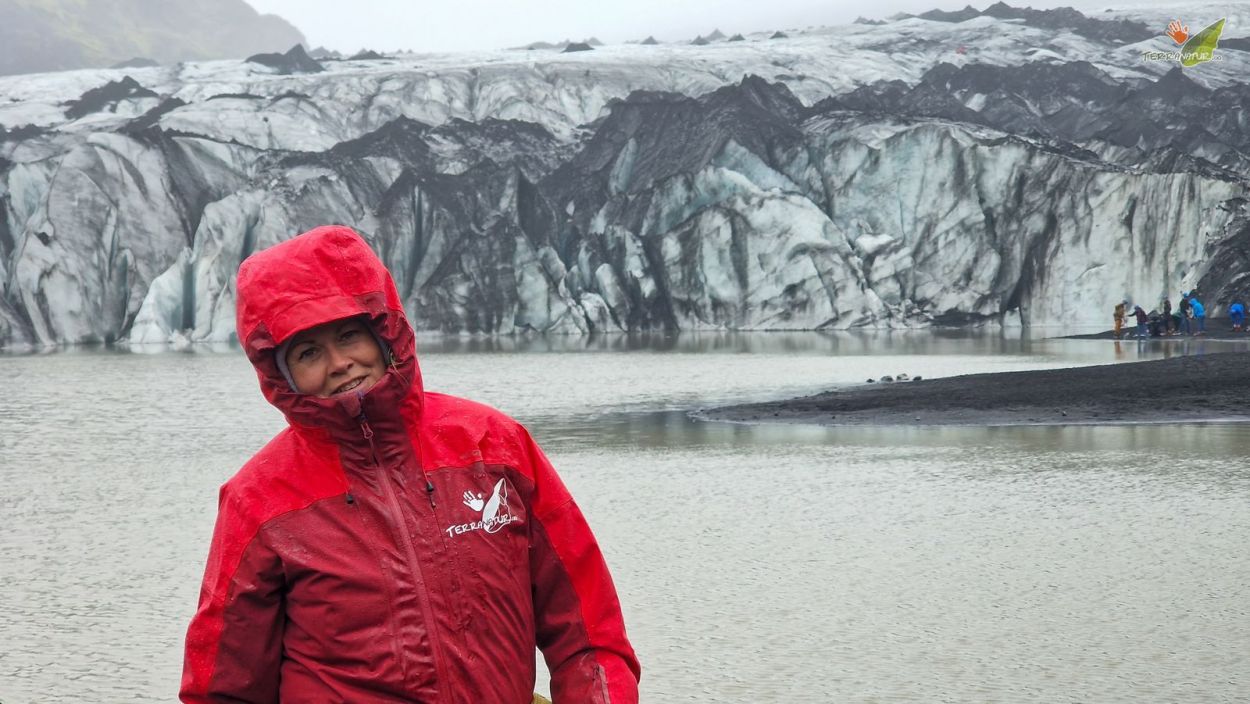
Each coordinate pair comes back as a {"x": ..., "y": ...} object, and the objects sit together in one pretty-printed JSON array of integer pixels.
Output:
[
  {"x": 390, "y": 544},
  {"x": 333, "y": 358}
]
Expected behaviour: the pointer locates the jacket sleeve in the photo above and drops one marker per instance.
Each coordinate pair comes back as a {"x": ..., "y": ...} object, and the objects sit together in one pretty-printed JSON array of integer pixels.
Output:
[
  {"x": 578, "y": 620},
  {"x": 234, "y": 642}
]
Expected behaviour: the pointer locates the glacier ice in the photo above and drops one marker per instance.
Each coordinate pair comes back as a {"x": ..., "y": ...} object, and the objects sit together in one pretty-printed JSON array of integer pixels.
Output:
[{"x": 877, "y": 180}]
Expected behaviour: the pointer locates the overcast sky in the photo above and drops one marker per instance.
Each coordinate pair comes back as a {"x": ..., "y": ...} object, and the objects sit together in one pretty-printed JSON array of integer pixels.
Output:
[{"x": 457, "y": 25}]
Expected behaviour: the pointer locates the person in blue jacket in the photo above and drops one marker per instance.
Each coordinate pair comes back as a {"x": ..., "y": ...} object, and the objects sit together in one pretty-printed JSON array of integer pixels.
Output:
[
  {"x": 1237, "y": 311},
  {"x": 1200, "y": 313}
]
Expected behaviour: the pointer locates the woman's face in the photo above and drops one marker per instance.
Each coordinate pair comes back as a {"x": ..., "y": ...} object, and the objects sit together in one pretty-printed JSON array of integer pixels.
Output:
[{"x": 335, "y": 358}]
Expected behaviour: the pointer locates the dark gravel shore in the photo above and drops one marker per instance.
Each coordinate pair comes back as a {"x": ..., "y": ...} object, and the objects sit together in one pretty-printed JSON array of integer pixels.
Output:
[{"x": 1209, "y": 387}]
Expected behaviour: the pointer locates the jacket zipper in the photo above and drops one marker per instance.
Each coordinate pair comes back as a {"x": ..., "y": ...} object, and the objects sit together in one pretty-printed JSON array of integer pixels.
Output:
[{"x": 406, "y": 538}]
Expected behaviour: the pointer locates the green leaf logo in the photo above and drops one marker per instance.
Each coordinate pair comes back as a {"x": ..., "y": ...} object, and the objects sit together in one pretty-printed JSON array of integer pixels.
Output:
[{"x": 1201, "y": 46}]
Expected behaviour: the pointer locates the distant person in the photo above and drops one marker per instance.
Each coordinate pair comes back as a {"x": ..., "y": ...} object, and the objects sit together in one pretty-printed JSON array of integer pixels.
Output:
[
  {"x": 1187, "y": 313},
  {"x": 1156, "y": 323},
  {"x": 1200, "y": 314},
  {"x": 1237, "y": 312},
  {"x": 1118, "y": 315},
  {"x": 1142, "y": 320},
  {"x": 391, "y": 544},
  {"x": 1168, "y": 327}
]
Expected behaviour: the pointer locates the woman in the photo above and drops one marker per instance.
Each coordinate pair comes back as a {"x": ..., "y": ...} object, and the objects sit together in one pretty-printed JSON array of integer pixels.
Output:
[{"x": 391, "y": 544}]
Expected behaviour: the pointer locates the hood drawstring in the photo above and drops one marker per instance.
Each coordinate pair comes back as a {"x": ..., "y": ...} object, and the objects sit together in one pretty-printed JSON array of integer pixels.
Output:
[{"x": 394, "y": 365}]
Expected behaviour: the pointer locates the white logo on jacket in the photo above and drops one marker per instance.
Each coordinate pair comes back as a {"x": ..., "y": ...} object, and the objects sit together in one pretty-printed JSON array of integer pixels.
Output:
[{"x": 495, "y": 511}]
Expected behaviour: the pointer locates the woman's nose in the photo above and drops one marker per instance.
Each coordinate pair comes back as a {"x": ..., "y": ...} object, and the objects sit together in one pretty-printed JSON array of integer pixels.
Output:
[{"x": 338, "y": 360}]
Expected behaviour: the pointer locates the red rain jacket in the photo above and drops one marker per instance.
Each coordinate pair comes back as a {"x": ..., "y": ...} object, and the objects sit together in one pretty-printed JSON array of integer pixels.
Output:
[{"x": 396, "y": 545}]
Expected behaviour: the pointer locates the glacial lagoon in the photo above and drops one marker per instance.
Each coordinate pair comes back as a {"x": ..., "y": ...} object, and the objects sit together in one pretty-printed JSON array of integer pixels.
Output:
[{"x": 755, "y": 563}]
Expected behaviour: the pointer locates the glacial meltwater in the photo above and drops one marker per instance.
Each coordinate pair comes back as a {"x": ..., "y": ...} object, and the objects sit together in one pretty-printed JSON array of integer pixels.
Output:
[{"x": 791, "y": 564}]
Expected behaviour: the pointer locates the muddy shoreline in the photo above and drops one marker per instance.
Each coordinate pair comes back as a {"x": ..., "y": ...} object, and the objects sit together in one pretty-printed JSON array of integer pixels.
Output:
[{"x": 1197, "y": 388}]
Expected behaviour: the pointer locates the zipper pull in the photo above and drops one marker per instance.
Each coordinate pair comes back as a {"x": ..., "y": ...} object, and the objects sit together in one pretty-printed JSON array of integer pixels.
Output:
[{"x": 367, "y": 431}]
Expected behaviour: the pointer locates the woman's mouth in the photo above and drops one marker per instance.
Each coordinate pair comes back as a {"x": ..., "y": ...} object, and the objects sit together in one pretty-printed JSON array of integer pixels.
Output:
[{"x": 350, "y": 385}]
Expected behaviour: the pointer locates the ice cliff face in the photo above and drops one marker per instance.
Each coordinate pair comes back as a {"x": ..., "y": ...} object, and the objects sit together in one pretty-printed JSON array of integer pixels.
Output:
[{"x": 1023, "y": 169}]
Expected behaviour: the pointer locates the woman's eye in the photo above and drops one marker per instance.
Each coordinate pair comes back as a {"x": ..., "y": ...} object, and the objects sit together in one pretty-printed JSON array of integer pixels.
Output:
[
  {"x": 348, "y": 335},
  {"x": 307, "y": 354}
]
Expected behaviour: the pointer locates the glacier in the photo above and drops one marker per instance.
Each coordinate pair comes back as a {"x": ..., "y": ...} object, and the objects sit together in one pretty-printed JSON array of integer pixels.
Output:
[{"x": 980, "y": 170}]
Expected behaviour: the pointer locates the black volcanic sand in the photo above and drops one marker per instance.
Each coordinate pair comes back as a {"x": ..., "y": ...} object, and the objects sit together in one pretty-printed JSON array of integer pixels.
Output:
[{"x": 1209, "y": 387}]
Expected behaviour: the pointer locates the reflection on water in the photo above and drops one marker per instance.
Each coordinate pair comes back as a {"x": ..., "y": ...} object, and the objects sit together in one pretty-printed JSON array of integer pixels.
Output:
[
  {"x": 678, "y": 429},
  {"x": 755, "y": 563},
  {"x": 938, "y": 341},
  {"x": 841, "y": 342}
]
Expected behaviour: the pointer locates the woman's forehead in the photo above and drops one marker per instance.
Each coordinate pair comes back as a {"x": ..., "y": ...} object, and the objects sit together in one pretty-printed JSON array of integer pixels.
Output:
[{"x": 330, "y": 327}]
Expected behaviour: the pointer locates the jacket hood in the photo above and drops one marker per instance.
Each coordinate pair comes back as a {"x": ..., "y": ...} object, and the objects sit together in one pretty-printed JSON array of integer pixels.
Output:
[{"x": 325, "y": 274}]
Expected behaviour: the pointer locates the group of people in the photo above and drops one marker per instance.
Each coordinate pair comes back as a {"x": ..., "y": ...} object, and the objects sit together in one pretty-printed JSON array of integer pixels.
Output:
[{"x": 1188, "y": 318}]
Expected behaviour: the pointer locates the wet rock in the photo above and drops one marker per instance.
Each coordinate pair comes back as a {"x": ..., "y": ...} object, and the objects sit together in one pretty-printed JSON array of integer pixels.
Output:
[
  {"x": 577, "y": 46},
  {"x": 296, "y": 60}
]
